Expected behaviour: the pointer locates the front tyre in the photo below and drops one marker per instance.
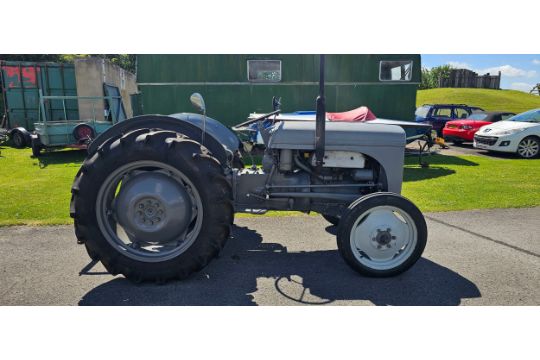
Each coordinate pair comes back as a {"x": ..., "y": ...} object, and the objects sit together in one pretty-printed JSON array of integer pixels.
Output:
[
  {"x": 529, "y": 147},
  {"x": 381, "y": 235},
  {"x": 152, "y": 205}
]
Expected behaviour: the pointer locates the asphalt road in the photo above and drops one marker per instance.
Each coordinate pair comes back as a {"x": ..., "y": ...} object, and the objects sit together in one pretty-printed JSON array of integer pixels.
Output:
[{"x": 472, "y": 258}]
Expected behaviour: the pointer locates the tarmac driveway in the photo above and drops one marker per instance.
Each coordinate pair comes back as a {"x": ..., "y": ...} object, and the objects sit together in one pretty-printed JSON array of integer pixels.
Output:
[{"x": 489, "y": 257}]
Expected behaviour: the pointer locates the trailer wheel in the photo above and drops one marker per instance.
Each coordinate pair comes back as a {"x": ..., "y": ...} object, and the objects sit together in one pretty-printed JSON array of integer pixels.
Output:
[
  {"x": 19, "y": 141},
  {"x": 152, "y": 205},
  {"x": 382, "y": 234},
  {"x": 36, "y": 146}
]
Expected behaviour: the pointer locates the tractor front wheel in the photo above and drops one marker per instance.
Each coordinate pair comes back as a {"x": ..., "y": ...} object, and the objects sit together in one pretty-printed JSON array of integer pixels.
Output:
[
  {"x": 152, "y": 205},
  {"x": 382, "y": 234}
]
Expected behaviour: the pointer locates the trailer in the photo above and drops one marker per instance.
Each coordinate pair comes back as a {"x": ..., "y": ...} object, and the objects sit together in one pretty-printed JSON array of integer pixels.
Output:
[
  {"x": 76, "y": 133},
  {"x": 21, "y": 83},
  {"x": 65, "y": 88}
]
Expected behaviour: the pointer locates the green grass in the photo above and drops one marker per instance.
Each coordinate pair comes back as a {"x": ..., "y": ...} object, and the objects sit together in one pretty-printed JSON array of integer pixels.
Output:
[
  {"x": 490, "y": 100},
  {"x": 472, "y": 182},
  {"x": 37, "y": 192}
]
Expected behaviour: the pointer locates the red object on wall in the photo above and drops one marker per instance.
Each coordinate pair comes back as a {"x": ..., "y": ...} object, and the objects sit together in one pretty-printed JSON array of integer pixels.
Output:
[
  {"x": 359, "y": 114},
  {"x": 13, "y": 76}
]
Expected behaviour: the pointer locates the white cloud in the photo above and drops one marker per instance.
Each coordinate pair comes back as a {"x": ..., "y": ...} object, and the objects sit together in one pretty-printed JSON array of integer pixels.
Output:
[
  {"x": 521, "y": 86},
  {"x": 508, "y": 70},
  {"x": 536, "y": 62},
  {"x": 459, "y": 65}
]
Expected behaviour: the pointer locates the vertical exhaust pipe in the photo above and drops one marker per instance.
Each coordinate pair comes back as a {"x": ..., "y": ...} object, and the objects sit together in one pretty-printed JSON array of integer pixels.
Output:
[{"x": 320, "y": 118}]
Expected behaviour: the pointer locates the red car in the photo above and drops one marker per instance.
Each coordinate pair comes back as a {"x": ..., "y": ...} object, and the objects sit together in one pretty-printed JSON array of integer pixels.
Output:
[{"x": 459, "y": 131}]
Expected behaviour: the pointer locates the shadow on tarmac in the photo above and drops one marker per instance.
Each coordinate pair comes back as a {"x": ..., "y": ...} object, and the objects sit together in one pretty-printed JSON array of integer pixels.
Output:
[{"x": 313, "y": 277}]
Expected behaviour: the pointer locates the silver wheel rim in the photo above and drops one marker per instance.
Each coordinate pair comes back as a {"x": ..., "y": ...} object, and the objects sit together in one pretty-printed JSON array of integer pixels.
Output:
[
  {"x": 156, "y": 224},
  {"x": 528, "y": 148},
  {"x": 383, "y": 237}
]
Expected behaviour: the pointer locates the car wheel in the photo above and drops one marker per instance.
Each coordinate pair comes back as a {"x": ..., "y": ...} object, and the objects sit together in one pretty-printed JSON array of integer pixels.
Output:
[
  {"x": 529, "y": 147},
  {"x": 457, "y": 142}
]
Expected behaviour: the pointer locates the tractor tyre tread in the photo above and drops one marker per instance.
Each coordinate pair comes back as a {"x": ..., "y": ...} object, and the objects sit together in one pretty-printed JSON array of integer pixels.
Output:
[{"x": 154, "y": 144}]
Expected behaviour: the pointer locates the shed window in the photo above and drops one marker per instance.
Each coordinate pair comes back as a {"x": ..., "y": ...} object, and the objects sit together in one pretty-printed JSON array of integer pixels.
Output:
[
  {"x": 395, "y": 70},
  {"x": 264, "y": 70}
]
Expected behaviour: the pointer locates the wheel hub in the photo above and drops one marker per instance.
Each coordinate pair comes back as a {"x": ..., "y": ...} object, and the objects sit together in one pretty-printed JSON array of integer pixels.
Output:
[
  {"x": 154, "y": 208},
  {"x": 382, "y": 238},
  {"x": 150, "y": 212}
]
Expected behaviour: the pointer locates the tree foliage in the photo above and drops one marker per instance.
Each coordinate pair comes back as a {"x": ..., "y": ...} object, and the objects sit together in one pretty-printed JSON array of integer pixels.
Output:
[{"x": 430, "y": 77}]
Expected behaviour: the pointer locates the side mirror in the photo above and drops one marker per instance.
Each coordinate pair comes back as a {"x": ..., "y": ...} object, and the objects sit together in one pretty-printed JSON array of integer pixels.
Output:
[{"x": 198, "y": 101}]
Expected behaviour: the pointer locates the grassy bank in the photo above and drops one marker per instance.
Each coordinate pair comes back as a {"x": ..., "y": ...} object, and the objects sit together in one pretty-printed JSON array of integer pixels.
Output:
[{"x": 490, "y": 100}]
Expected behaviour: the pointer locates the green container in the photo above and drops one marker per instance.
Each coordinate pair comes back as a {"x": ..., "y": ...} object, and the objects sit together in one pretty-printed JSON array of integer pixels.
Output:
[
  {"x": 167, "y": 81},
  {"x": 21, "y": 82}
]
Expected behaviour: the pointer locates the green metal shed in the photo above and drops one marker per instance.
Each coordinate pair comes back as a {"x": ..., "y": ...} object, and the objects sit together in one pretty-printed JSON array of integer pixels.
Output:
[{"x": 236, "y": 85}]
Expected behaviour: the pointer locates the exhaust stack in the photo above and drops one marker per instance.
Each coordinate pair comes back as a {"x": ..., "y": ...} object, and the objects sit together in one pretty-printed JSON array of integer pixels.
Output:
[{"x": 320, "y": 118}]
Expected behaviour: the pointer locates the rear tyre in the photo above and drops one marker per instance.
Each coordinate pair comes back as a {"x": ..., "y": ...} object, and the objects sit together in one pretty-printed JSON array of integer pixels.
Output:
[
  {"x": 19, "y": 141},
  {"x": 457, "y": 142},
  {"x": 36, "y": 147},
  {"x": 152, "y": 206},
  {"x": 381, "y": 235},
  {"x": 334, "y": 220},
  {"x": 529, "y": 147}
]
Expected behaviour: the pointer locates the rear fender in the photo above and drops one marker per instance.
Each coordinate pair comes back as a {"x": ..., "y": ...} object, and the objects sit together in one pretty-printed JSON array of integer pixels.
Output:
[{"x": 178, "y": 124}]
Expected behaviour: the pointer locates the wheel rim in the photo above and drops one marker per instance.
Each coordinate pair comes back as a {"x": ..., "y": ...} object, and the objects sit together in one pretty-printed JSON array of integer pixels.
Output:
[
  {"x": 149, "y": 211},
  {"x": 528, "y": 148},
  {"x": 383, "y": 237}
]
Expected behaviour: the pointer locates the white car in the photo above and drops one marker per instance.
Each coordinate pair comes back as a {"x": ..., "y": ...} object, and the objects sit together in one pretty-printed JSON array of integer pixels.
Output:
[{"x": 520, "y": 134}]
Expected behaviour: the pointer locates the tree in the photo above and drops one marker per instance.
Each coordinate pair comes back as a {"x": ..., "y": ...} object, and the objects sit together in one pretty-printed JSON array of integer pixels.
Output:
[{"x": 430, "y": 77}]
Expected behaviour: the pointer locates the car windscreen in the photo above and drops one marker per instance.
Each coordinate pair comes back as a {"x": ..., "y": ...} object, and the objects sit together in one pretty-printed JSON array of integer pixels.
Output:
[
  {"x": 528, "y": 116},
  {"x": 422, "y": 111},
  {"x": 477, "y": 116}
]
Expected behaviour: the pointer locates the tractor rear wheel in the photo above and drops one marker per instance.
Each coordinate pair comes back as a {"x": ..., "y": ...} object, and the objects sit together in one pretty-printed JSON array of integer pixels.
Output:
[
  {"x": 382, "y": 234},
  {"x": 152, "y": 205}
]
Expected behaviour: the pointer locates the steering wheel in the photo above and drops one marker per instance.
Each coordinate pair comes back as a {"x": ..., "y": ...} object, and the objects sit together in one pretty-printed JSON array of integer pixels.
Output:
[{"x": 244, "y": 126}]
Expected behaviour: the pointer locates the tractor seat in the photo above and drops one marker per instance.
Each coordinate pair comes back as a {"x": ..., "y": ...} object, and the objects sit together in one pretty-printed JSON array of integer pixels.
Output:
[{"x": 338, "y": 135}]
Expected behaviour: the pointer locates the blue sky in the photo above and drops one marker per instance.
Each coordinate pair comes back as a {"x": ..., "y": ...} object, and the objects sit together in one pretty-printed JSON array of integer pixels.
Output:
[{"x": 519, "y": 72}]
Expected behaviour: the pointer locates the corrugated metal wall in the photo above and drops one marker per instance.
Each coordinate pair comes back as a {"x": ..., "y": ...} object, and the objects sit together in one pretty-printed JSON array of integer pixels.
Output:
[{"x": 167, "y": 81}]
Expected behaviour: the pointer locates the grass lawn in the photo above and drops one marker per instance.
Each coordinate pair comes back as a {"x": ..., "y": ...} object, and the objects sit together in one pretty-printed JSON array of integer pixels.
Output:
[
  {"x": 37, "y": 192},
  {"x": 489, "y": 100}
]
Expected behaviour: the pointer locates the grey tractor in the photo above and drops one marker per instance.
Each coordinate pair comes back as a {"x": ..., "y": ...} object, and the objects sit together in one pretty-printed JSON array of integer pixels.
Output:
[{"x": 156, "y": 196}]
